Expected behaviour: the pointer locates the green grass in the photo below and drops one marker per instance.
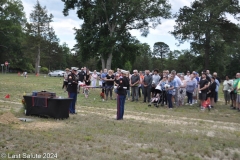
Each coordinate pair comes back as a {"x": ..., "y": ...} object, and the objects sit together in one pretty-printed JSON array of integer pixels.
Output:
[{"x": 145, "y": 133}]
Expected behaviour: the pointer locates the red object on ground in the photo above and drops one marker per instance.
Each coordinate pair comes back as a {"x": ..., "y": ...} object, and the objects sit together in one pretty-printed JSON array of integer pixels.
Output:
[
  {"x": 206, "y": 103},
  {"x": 102, "y": 95},
  {"x": 7, "y": 96}
]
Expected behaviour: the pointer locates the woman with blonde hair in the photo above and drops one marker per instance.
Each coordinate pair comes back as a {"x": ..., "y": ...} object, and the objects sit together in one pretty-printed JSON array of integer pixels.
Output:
[
  {"x": 190, "y": 87},
  {"x": 94, "y": 78}
]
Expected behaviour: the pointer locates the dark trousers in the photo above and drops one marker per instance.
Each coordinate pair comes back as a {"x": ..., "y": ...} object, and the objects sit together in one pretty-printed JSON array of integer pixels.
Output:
[
  {"x": 73, "y": 103},
  {"x": 232, "y": 97},
  {"x": 190, "y": 97},
  {"x": 120, "y": 106},
  {"x": 216, "y": 97},
  {"x": 164, "y": 97},
  {"x": 134, "y": 90},
  {"x": 103, "y": 88},
  {"x": 139, "y": 91},
  {"x": 109, "y": 90},
  {"x": 147, "y": 93},
  {"x": 169, "y": 98}
]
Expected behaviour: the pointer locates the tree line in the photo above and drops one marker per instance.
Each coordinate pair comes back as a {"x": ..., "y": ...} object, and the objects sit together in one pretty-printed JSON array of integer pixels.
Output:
[
  {"x": 30, "y": 46},
  {"x": 104, "y": 39}
]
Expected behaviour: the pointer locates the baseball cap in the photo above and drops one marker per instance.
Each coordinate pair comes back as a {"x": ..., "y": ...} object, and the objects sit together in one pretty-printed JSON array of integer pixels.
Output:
[{"x": 75, "y": 69}]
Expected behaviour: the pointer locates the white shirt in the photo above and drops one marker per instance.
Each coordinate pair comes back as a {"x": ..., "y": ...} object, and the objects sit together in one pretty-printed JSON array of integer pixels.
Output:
[
  {"x": 186, "y": 77},
  {"x": 226, "y": 85}
]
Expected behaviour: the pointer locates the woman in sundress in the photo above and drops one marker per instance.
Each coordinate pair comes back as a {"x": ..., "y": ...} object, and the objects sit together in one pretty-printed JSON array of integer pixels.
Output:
[{"x": 182, "y": 91}]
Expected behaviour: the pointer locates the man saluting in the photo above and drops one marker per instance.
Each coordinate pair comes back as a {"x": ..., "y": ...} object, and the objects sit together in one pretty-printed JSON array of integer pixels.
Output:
[
  {"x": 121, "y": 91},
  {"x": 72, "y": 89}
]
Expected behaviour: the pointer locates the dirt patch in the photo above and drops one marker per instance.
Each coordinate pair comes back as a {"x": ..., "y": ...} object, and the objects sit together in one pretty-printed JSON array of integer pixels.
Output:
[
  {"x": 8, "y": 118},
  {"x": 40, "y": 125}
]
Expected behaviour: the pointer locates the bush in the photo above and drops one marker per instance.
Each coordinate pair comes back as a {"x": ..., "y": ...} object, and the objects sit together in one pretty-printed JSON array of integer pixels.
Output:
[
  {"x": 44, "y": 70},
  {"x": 28, "y": 68},
  {"x": 128, "y": 66}
]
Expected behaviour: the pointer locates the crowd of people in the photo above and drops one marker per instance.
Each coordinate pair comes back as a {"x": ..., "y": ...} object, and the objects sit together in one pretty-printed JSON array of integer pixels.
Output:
[{"x": 170, "y": 87}]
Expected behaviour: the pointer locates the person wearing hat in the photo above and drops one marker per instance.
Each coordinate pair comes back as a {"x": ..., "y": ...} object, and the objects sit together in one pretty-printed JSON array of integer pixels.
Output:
[
  {"x": 121, "y": 95},
  {"x": 72, "y": 89},
  {"x": 65, "y": 79}
]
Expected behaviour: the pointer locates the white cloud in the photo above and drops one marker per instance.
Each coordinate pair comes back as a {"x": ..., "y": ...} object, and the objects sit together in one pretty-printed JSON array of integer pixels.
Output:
[{"x": 63, "y": 26}]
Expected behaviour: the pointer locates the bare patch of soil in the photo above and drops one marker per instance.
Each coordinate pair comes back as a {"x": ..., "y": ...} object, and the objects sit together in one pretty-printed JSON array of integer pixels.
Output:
[
  {"x": 8, "y": 118},
  {"x": 40, "y": 125}
]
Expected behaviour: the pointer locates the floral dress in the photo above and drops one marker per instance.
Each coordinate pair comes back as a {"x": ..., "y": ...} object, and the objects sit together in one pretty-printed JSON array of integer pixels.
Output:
[{"x": 182, "y": 93}]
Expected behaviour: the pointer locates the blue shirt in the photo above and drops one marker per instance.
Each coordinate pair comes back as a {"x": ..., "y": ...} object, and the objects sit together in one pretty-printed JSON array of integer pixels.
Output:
[
  {"x": 191, "y": 85},
  {"x": 162, "y": 84},
  {"x": 172, "y": 84},
  {"x": 103, "y": 76},
  {"x": 217, "y": 86}
]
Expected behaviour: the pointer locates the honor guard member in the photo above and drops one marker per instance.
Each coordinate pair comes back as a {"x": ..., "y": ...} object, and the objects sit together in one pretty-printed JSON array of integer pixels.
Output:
[
  {"x": 121, "y": 97},
  {"x": 72, "y": 89}
]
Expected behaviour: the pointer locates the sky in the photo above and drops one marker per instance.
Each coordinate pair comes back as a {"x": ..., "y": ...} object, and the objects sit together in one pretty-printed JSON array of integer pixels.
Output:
[{"x": 63, "y": 25}]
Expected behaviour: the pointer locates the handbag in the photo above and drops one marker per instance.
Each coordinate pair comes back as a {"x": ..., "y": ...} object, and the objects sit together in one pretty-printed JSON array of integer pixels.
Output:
[{"x": 181, "y": 91}]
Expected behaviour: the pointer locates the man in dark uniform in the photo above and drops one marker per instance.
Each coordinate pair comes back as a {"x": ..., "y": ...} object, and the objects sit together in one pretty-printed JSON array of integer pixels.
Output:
[
  {"x": 73, "y": 89},
  {"x": 81, "y": 76},
  {"x": 121, "y": 97}
]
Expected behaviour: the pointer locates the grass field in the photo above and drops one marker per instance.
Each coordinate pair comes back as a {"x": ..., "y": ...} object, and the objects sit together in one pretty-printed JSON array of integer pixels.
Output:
[{"x": 145, "y": 133}]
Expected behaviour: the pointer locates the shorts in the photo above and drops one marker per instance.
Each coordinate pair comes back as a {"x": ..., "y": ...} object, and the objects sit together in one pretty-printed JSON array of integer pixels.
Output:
[
  {"x": 195, "y": 92},
  {"x": 234, "y": 96},
  {"x": 238, "y": 98},
  {"x": 202, "y": 96},
  {"x": 65, "y": 83}
]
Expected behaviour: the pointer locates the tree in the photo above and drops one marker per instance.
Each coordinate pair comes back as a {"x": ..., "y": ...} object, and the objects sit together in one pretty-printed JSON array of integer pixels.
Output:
[
  {"x": 206, "y": 26},
  {"x": 12, "y": 20},
  {"x": 52, "y": 51},
  {"x": 143, "y": 61},
  {"x": 39, "y": 26},
  {"x": 171, "y": 62},
  {"x": 107, "y": 21},
  {"x": 161, "y": 50}
]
